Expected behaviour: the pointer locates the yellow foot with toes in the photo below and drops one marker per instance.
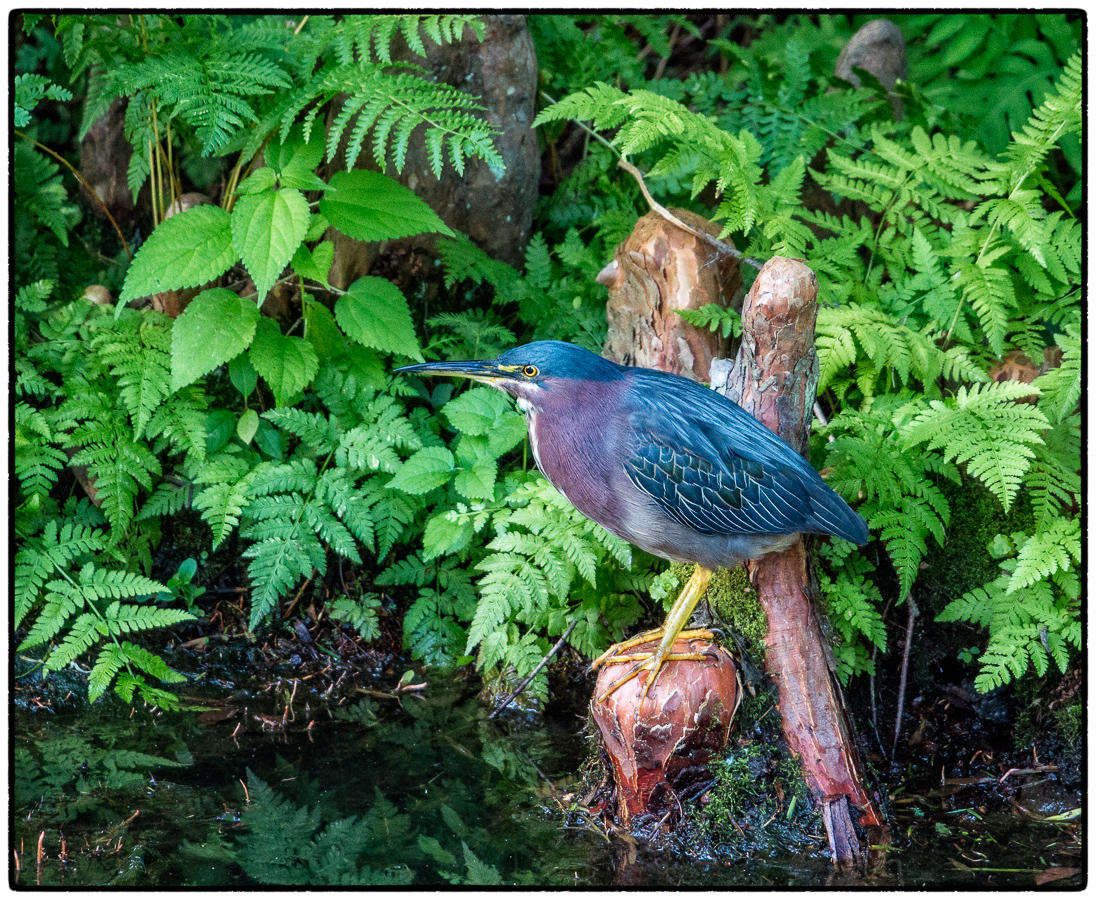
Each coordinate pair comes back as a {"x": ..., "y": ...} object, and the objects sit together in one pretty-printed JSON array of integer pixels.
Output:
[{"x": 650, "y": 661}]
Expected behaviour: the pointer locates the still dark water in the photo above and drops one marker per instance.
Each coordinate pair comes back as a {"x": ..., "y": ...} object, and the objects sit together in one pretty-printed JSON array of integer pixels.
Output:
[{"x": 420, "y": 791}]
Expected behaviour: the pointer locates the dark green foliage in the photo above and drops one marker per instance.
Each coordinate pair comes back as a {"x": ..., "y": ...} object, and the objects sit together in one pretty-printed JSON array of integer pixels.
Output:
[
  {"x": 940, "y": 244},
  {"x": 958, "y": 261},
  {"x": 284, "y": 844}
]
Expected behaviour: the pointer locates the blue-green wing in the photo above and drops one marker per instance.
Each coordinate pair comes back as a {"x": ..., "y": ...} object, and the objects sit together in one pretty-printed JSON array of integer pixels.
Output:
[{"x": 715, "y": 469}]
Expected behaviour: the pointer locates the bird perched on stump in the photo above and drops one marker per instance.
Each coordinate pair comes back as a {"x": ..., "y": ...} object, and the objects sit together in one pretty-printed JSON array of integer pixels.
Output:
[{"x": 665, "y": 463}]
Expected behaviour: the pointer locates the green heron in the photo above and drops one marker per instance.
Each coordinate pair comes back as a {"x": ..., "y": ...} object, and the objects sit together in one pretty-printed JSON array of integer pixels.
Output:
[{"x": 665, "y": 463}]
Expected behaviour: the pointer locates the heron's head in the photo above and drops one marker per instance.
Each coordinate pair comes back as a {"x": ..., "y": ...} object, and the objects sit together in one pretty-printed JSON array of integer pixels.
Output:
[{"x": 532, "y": 372}]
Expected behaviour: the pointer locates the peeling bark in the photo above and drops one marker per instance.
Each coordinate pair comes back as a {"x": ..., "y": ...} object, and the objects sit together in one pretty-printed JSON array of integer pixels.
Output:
[
  {"x": 659, "y": 746},
  {"x": 774, "y": 378},
  {"x": 657, "y": 271}
]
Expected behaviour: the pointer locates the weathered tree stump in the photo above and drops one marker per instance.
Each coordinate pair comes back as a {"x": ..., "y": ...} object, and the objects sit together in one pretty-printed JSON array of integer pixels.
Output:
[
  {"x": 657, "y": 271},
  {"x": 774, "y": 379},
  {"x": 659, "y": 747}
]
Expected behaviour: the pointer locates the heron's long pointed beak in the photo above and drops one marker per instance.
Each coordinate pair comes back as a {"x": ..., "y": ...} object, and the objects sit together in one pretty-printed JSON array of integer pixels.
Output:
[{"x": 476, "y": 369}]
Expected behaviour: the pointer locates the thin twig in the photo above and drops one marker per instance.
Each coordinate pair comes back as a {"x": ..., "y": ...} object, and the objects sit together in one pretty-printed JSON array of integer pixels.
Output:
[
  {"x": 871, "y": 690},
  {"x": 521, "y": 687},
  {"x": 726, "y": 249},
  {"x": 658, "y": 207},
  {"x": 83, "y": 181},
  {"x": 912, "y": 617}
]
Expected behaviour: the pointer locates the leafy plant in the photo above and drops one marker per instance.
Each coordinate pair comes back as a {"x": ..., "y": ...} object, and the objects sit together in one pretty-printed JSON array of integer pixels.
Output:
[{"x": 927, "y": 288}]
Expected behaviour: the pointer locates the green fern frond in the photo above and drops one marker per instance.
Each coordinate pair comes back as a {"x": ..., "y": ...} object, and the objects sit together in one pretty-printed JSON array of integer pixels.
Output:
[
  {"x": 318, "y": 433},
  {"x": 209, "y": 91},
  {"x": 228, "y": 479},
  {"x": 987, "y": 429},
  {"x": 37, "y": 458},
  {"x": 1061, "y": 386},
  {"x": 120, "y": 465},
  {"x": 1058, "y": 115},
  {"x": 137, "y": 349},
  {"x": 1057, "y": 548},
  {"x": 180, "y": 420},
  {"x": 1054, "y": 481},
  {"x": 58, "y": 549}
]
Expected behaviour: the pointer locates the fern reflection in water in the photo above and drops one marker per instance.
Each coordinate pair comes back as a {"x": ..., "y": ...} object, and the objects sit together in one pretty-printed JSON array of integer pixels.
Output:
[{"x": 428, "y": 794}]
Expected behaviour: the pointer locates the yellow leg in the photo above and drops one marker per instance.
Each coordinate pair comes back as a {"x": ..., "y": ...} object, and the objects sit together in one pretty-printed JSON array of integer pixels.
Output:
[{"x": 670, "y": 631}]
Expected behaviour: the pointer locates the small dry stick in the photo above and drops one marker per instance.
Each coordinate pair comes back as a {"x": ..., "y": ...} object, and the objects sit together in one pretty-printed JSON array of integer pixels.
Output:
[
  {"x": 726, "y": 249},
  {"x": 657, "y": 207},
  {"x": 905, "y": 672},
  {"x": 83, "y": 181},
  {"x": 521, "y": 687}
]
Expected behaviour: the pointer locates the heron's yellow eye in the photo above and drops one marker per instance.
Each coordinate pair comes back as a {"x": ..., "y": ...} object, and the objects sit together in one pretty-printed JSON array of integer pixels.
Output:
[{"x": 530, "y": 371}]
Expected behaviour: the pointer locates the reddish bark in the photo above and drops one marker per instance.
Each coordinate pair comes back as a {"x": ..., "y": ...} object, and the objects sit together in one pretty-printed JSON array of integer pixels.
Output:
[
  {"x": 774, "y": 378},
  {"x": 658, "y": 270},
  {"x": 660, "y": 746}
]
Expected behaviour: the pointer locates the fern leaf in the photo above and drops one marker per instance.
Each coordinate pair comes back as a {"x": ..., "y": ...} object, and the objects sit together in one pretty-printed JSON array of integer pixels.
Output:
[
  {"x": 988, "y": 430},
  {"x": 1058, "y": 548}
]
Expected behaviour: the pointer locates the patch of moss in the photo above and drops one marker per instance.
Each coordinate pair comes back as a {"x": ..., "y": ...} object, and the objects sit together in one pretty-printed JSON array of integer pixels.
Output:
[
  {"x": 734, "y": 601},
  {"x": 964, "y": 562},
  {"x": 759, "y": 801}
]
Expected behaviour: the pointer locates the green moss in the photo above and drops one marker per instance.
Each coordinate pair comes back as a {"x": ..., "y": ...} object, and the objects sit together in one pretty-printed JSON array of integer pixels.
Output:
[
  {"x": 1070, "y": 722},
  {"x": 964, "y": 562},
  {"x": 734, "y": 601}
]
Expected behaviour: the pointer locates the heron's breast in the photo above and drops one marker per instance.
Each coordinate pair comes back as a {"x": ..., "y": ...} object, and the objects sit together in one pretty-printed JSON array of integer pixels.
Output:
[{"x": 579, "y": 463}]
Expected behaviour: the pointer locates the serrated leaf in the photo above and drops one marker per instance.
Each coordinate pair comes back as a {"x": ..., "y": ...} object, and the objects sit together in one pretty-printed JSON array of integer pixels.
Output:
[
  {"x": 445, "y": 535},
  {"x": 476, "y": 411},
  {"x": 295, "y": 153},
  {"x": 287, "y": 364},
  {"x": 368, "y": 206},
  {"x": 477, "y": 482},
  {"x": 315, "y": 263},
  {"x": 184, "y": 251},
  {"x": 215, "y": 327},
  {"x": 423, "y": 471},
  {"x": 267, "y": 229},
  {"x": 320, "y": 328},
  {"x": 374, "y": 313},
  {"x": 258, "y": 181}
]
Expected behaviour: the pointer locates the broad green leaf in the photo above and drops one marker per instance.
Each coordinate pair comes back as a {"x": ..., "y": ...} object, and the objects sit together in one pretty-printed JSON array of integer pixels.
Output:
[
  {"x": 315, "y": 263},
  {"x": 247, "y": 426},
  {"x": 423, "y": 471},
  {"x": 320, "y": 328},
  {"x": 242, "y": 374},
  {"x": 220, "y": 426},
  {"x": 258, "y": 181},
  {"x": 269, "y": 440},
  {"x": 476, "y": 410},
  {"x": 186, "y": 250},
  {"x": 445, "y": 535},
  {"x": 432, "y": 847},
  {"x": 287, "y": 364},
  {"x": 216, "y": 326},
  {"x": 295, "y": 155},
  {"x": 478, "y": 481},
  {"x": 373, "y": 312},
  {"x": 266, "y": 230},
  {"x": 369, "y": 206},
  {"x": 316, "y": 227}
]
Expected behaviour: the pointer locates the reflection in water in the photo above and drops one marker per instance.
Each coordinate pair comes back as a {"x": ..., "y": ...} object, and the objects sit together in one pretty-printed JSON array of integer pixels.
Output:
[{"x": 426, "y": 791}]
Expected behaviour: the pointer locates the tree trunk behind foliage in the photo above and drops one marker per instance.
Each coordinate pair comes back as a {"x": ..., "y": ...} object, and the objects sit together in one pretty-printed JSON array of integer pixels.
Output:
[{"x": 774, "y": 379}]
